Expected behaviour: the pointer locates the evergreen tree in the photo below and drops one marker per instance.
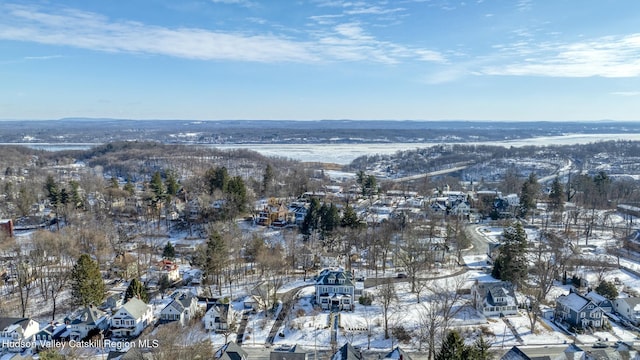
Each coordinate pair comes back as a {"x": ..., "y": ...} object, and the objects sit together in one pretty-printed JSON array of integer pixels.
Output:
[
  {"x": 453, "y": 348},
  {"x": 53, "y": 193},
  {"x": 157, "y": 187},
  {"x": 511, "y": 263},
  {"x": 136, "y": 289},
  {"x": 236, "y": 192},
  {"x": 479, "y": 350},
  {"x": 113, "y": 183},
  {"x": 76, "y": 199},
  {"x": 87, "y": 286},
  {"x": 169, "y": 252},
  {"x": 216, "y": 179},
  {"x": 311, "y": 219},
  {"x": 267, "y": 179},
  {"x": 529, "y": 195},
  {"x": 556, "y": 196},
  {"x": 349, "y": 218},
  {"x": 329, "y": 218},
  {"x": 608, "y": 290},
  {"x": 129, "y": 187},
  {"x": 171, "y": 184},
  {"x": 217, "y": 257}
]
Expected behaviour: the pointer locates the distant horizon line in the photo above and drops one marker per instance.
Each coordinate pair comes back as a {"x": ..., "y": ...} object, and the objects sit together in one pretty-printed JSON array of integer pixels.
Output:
[{"x": 320, "y": 120}]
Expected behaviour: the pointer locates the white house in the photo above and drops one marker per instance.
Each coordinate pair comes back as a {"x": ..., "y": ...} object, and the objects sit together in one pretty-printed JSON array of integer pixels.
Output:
[
  {"x": 494, "y": 298},
  {"x": 16, "y": 331},
  {"x": 628, "y": 308},
  {"x": 131, "y": 319},
  {"x": 182, "y": 308},
  {"x": 90, "y": 318},
  {"x": 335, "y": 290},
  {"x": 169, "y": 269},
  {"x": 218, "y": 317}
]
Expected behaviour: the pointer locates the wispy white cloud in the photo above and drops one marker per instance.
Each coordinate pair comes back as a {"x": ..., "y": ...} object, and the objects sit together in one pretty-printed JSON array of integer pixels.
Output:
[
  {"x": 610, "y": 56},
  {"x": 245, "y": 3},
  {"x": 43, "y": 57},
  {"x": 69, "y": 27},
  {"x": 626, "y": 93}
]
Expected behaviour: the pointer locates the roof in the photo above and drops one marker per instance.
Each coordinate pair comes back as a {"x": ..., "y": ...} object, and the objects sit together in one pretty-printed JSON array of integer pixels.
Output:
[
  {"x": 231, "y": 351},
  {"x": 398, "y": 354},
  {"x": 333, "y": 277},
  {"x": 135, "y": 307},
  {"x": 347, "y": 352},
  {"x": 5, "y": 322},
  {"x": 515, "y": 354},
  {"x": 573, "y": 301},
  {"x": 89, "y": 316},
  {"x": 633, "y": 302}
]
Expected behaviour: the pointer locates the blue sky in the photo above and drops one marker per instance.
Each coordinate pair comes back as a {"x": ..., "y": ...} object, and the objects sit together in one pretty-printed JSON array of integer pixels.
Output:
[{"x": 321, "y": 59}]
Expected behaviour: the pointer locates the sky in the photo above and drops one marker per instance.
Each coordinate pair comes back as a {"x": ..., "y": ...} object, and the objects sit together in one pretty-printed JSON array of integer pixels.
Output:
[{"x": 549, "y": 60}]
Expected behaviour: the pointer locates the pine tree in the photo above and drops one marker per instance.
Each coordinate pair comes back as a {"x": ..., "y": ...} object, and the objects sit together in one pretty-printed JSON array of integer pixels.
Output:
[
  {"x": 87, "y": 286},
  {"x": 453, "y": 348},
  {"x": 556, "y": 196},
  {"x": 349, "y": 218},
  {"x": 511, "y": 263},
  {"x": 479, "y": 350},
  {"x": 217, "y": 257},
  {"x": 169, "y": 252},
  {"x": 136, "y": 289}
]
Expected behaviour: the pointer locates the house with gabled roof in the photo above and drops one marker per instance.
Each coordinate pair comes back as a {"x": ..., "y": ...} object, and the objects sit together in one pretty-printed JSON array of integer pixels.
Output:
[
  {"x": 397, "y": 354},
  {"x": 16, "y": 331},
  {"x": 89, "y": 319},
  {"x": 628, "y": 308},
  {"x": 53, "y": 332},
  {"x": 347, "y": 352},
  {"x": 218, "y": 317},
  {"x": 335, "y": 290},
  {"x": 578, "y": 311},
  {"x": 231, "y": 351},
  {"x": 182, "y": 308},
  {"x": 494, "y": 298},
  {"x": 131, "y": 319}
]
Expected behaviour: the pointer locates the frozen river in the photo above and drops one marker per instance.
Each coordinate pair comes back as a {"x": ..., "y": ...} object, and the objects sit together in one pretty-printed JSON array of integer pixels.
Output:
[{"x": 345, "y": 153}]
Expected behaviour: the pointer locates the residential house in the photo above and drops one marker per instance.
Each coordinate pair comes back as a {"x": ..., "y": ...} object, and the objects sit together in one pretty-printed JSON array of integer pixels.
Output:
[
  {"x": 573, "y": 352},
  {"x": 397, "y": 354},
  {"x": 605, "y": 304},
  {"x": 271, "y": 213},
  {"x": 628, "y": 308},
  {"x": 218, "y": 317},
  {"x": 494, "y": 298},
  {"x": 53, "y": 332},
  {"x": 133, "y": 353},
  {"x": 114, "y": 301},
  {"x": 169, "y": 269},
  {"x": 516, "y": 354},
  {"x": 231, "y": 351},
  {"x": 578, "y": 311},
  {"x": 335, "y": 290},
  {"x": 14, "y": 332},
  {"x": 182, "y": 308},
  {"x": 289, "y": 353},
  {"x": 88, "y": 320},
  {"x": 347, "y": 352},
  {"x": 131, "y": 319},
  {"x": 125, "y": 266}
]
